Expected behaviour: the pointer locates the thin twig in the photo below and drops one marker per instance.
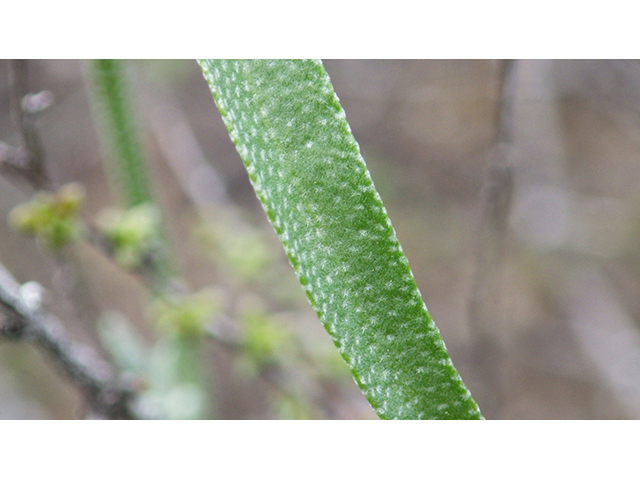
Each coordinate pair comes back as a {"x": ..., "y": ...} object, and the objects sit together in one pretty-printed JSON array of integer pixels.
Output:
[
  {"x": 13, "y": 161},
  {"x": 34, "y": 169},
  {"x": 504, "y": 112},
  {"x": 496, "y": 203},
  {"x": 105, "y": 395}
]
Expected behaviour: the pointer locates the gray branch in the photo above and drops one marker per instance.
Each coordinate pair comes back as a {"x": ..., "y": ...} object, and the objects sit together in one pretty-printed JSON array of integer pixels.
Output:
[
  {"x": 23, "y": 110},
  {"x": 105, "y": 396}
]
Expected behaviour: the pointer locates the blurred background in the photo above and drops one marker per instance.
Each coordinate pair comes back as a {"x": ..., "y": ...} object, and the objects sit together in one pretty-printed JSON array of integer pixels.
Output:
[{"x": 536, "y": 294}]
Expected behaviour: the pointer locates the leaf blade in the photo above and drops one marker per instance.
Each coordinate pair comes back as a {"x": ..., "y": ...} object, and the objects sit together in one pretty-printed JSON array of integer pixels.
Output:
[{"x": 307, "y": 170}]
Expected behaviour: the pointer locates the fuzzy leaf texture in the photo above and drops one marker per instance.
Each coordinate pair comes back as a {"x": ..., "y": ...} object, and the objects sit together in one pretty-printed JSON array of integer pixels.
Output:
[{"x": 305, "y": 165}]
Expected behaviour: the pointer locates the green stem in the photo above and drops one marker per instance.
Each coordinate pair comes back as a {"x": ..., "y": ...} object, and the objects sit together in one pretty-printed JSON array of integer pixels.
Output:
[
  {"x": 125, "y": 159},
  {"x": 123, "y": 154}
]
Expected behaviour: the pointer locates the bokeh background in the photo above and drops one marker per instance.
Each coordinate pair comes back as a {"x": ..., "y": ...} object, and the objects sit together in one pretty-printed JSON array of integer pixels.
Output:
[{"x": 562, "y": 340}]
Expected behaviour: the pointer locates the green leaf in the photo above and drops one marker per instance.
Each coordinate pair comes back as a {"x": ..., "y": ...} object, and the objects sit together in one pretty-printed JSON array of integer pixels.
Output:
[
  {"x": 51, "y": 217},
  {"x": 307, "y": 171},
  {"x": 133, "y": 234}
]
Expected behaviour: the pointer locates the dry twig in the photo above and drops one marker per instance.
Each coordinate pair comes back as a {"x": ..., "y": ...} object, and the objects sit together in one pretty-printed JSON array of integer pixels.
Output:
[
  {"x": 496, "y": 203},
  {"x": 105, "y": 395}
]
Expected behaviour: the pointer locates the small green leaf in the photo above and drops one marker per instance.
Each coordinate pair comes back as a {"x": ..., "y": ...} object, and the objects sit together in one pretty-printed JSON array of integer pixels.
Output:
[
  {"x": 186, "y": 317},
  {"x": 51, "y": 217},
  {"x": 307, "y": 170},
  {"x": 133, "y": 234},
  {"x": 122, "y": 342},
  {"x": 264, "y": 341}
]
